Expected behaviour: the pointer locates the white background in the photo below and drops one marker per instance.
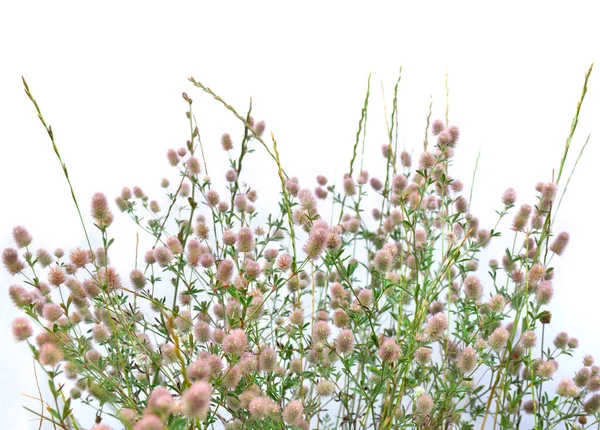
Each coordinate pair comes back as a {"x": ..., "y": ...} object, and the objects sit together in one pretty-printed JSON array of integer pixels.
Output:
[{"x": 109, "y": 77}]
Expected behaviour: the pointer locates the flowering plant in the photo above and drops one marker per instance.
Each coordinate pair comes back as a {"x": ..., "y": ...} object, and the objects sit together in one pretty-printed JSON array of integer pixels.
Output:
[{"x": 230, "y": 320}]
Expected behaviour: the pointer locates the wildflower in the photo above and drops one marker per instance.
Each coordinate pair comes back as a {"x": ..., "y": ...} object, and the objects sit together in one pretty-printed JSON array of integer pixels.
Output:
[
  {"x": 149, "y": 257},
  {"x": 436, "y": 326},
  {"x": 231, "y": 175},
  {"x": 21, "y": 236},
  {"x": 405, "y": 159},
  {"x": 529, "y": 406},
  {"x": 56, "y": 276},
  {"x": 212, "y": 198},
  {"x": 295, "y": 365},
  {"x": 341, "y": 318},
  {"x": 424, "y": 404},
  {"x": 383, "y": 261},
  {"x": 174, "y": 245},
  {"x": 473, "y": 288},
  {"x": 498, "y": 339},
  {"x": 321, "y": 180},
  {"x": 423, "y": 354},
  {"x": 163, "y": 256},
  {"x": 100, "y": 333},
  {"x": 468, "y": 360},
  {"x": 101, "y": 427},
  {"x": 259, "y": 128},
  {"x": 226, "y": 142},
  {"x": 225, "y": 271},
  {"x": 582, "y": 377},
  {"x": 11, "y": 261},
  {"x": 544, "y": 293},
  {"x": 21, "y": 329},
  {"x": 426, "y": 161},
  {"x": 297, "y": 317},
  {"x": 199, "y": 370},
  {"x": 321, "y": 331},
  {"x": 593, "y": 404},
  {"x": 262, "y": 407},
  {"x": 536, "y": 272},
  {"x": 137, "y": 279},
  {"x": 44, "y": 257},
  {"x": 202, "y": 331},
  {"x": 267, "y": 359},
  {"x": 172, "y": 157},
  {"x": 345, "y": 342},
  {"x": 195, "y": 401},
  {"x": 561, "y": 340},
  {"x": 594, "y": 382},
  {"x": 389, "y": 351},
  {"x": 325, "y": 388},
  {"x": 19, "y": 296},
  {"x": 207, "y": 260},
  {"x": 50, "y": 354},
  {"x": 588, "y": 360},
  {"x": 376, "y": 184},
  {"x": 567, "y": 388},
  {"x": 528, "y": 339},
  {"x": 292, "y": 186},
  {"x": 437, "y": 126},
  {"x": 317, "y": 240},
  {"x": 149, "y": 422},
  {"x": 520, "y": 220},
  {"x": 292, "y": 413},
  {"x": 184, "y": 190},
  {"x": 546, "y": 369},
  {"x": 284, "y": 261},
  {"x": 365, "y": 297},
  {"x": 100, "y": 210},
  {"x": 109, "y": 278},
  {"x": 560, "y": 243},
  {"x": 121, "y": 203},
  {"x": 509, "y": 197},
  {"x": 496, "y": 303},
  {"x": 168, "y": 352},
  {"x": 240, "y": 202},
  {"x": 251, "y": 268},
  {"x": 193, "y": 165},
  {"x": 183, "y": 322},
  {"x": 457, "y": 185},
  {"x": 245, "y": 240},
  {"x": 160, "y": 401},
  {"x": 235, "y": 343}
]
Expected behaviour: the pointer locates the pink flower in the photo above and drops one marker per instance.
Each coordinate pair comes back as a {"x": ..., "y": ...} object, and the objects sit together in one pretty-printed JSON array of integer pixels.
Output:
[
  {"x": 21, "y": 236},
  {"x": 21, "y": 328},
  {"x": 389, "y": 351},
  {"x": 235, "y": 343}
]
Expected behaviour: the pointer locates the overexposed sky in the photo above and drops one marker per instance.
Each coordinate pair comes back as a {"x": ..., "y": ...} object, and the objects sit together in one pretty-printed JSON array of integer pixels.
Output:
[{"x": 109, "y": 77}]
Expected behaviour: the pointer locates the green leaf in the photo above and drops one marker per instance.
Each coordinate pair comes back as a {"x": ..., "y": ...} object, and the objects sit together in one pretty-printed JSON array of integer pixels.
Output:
[
  {"x": 178, "y": 424},
  {"x": 66, "y": 409},
  {"x": 352, "y": 267}
]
